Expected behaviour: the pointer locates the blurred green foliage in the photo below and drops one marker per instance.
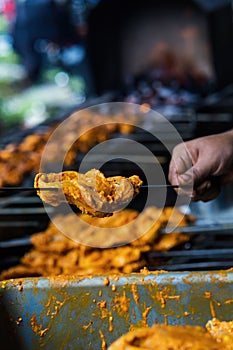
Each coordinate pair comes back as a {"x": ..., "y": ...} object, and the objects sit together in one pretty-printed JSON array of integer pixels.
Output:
[{"x": 22, "y": 105}]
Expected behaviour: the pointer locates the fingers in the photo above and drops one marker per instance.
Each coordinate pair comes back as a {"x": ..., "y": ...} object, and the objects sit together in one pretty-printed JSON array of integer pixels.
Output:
[
  {"x": 206, "y": 191},
  {"x": 180, "y": 163},
  {"x": 195, "y": 178},
  {"x": 195, "y": 162}
]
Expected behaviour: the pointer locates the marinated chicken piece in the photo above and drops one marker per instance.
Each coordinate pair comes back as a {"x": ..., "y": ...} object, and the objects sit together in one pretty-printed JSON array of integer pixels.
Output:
[
  {"x": 53, "y": 253},
  {"x": 222, "y": 331},
  {"x": 19, "y": 271},
  {"x": 18, "y": 160},
  {"x": 92, "y": 193},
  {"x": 167, "y": 337},
  {"x": 120, "y": 218}
]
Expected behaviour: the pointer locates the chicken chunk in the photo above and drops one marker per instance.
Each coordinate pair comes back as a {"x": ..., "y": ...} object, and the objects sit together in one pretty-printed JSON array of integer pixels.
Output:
[
  {"x": 91, "y": 192},
  {"x": 168, "y": 337}
]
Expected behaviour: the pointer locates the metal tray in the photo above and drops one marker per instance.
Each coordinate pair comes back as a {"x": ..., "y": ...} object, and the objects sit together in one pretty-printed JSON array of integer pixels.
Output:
[{"x": 91, "y": 313}]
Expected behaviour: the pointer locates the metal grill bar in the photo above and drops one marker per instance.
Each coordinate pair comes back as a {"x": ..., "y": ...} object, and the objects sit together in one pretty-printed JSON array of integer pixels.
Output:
[
  {"x": 15, "y": 243},
  {"x": 17, "y": 223},
  {"x": 20, "y": 216},
  {"x": 196, "y": 253},
  {"x": 197, "y": 266},
  {"x": 25, "y": 211},
  {"x": 217, "y": 228}
]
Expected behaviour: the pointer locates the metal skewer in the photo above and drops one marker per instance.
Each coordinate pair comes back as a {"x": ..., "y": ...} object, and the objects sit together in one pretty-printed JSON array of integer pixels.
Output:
[
  {"x": 56, "y": 188},
  {"x": 160, "y": 186},
  {"x": 29, "y": 189},
  {"x": 167, "y": 186}
]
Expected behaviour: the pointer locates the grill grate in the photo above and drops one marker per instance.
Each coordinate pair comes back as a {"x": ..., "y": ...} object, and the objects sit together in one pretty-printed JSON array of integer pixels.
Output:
[
  {"x": 21, "y": 215},
  {"x": 205, "y": 251}
]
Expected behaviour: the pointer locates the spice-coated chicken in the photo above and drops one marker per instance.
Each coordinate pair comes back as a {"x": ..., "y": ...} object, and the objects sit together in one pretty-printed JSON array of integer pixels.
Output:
[{"x": 91, "y": 192}]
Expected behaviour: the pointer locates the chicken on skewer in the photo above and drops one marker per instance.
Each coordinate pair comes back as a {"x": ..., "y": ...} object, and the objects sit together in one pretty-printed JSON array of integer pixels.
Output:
[{"x": 91, "y": 192}]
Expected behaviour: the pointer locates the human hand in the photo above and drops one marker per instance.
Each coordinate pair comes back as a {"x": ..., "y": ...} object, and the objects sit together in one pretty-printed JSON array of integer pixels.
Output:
[{"x": 205, "y": 164}]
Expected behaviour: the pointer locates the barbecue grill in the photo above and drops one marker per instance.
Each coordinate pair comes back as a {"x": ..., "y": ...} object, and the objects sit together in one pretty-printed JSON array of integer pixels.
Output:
[
  {"x": 64, "y": 308},
  {"x": 22, "y": 214}
]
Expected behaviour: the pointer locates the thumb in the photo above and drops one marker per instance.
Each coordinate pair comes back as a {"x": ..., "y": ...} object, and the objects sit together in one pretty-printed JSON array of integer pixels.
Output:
[{"x": 196, "y": 175}]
